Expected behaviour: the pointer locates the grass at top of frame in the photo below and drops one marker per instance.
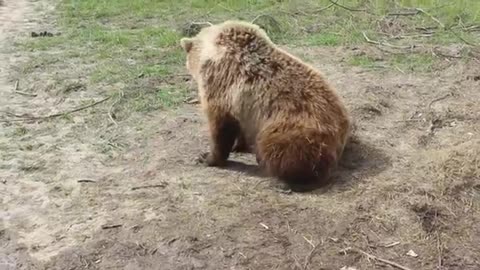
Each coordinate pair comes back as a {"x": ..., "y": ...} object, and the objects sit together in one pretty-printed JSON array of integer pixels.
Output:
[{"x": 136, "y": 41}]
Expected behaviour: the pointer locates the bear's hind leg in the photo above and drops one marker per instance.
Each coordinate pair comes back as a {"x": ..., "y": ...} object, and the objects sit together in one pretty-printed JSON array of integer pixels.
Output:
[{"x": 224, "y": 129}]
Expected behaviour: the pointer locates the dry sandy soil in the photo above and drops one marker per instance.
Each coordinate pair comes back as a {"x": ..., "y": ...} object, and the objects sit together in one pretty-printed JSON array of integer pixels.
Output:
[{"x": 407, "y": 191}]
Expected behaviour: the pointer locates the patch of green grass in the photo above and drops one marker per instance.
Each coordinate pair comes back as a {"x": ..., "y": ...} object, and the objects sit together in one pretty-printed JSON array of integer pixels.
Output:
[
  {"x": 161, "y": 98},
  {"x": 420, "y": 62},
  {"x": 413, "y": 62},
  {"x": 123, "y": 41},
  {"x": 324, "y": 39},
  {"x": 42, "y": 43},
  {"x": 362, "y": 61},
  {"x": 155, "y": 70},
  {"x": 112, "y": 72}
]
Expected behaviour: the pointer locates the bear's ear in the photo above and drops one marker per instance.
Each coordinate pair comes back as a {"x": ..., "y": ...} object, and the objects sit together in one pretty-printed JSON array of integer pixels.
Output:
[{"x": 187, "y": 44}]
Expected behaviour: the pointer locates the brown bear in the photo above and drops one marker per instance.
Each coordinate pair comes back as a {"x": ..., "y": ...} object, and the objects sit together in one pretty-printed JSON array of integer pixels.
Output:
[{"x": 257, "y": 96}]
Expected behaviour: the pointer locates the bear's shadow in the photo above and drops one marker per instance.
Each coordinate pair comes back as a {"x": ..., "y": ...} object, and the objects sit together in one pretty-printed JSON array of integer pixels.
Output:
[
  {"x": 242, "y": 167},
  {"x": 359, "y": 160}
]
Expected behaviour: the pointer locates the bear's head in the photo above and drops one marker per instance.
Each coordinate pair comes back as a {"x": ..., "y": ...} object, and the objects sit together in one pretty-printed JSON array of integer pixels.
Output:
[
  {"x": 191, "y": 46},
  {"x": 236, "y": 40},
  {"x": 202, "y": 48}
]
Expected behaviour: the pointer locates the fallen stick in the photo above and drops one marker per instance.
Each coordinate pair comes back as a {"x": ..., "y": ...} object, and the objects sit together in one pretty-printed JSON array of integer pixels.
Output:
[
  {"x": 431, "y": 16},
  {"x": 438, "y": 99},
  {"x": 25, "y": 93},
  {"x": 106, "y": 227},
  {"x": 57, "y": 114},
  {"x": 308, "y": 259},
  {"x": 150, "y": 186},
  {"x": 404, "y": 13},
  {"x": 347, "y": 8},
  {"x": 384, "y": 43},
  {"x": 373, "y": 257},
  {"x": 86, "y": 181}
]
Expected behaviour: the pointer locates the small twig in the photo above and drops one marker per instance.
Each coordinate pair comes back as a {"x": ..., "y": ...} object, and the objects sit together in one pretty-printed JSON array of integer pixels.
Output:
[
  {"x": 369, "y": 40},
  {"x": 440, "y": 251},
  {"x": 201, "y": 23},
  {"x": 309, "y": 241},
  {"x": 404, "y": 13},
  {"x": 192, "y": 100},
  {"x": 408, "y": 120},
  {"x": 392, "y": 244},
  {"x": 345, "y": 7},
  {"x": 472, "y": 28},
  {"x": 438, "y": 99},
  {"x": 447, "y": 56},
  {"x": 461, "y": 38},
  {"x": 110, "y": 111},
  {"x": 413, "y": 36},
  {"x": 373, "y": 257},
  {"x": 149, "y": 186},
  {"x": 399, "y": 69},
  {"x": 309, "y": 256},
  {"x": 226, "y": 8},
  {"x": 258, "y": 17},
  {"x": 25, "y": 93},
  {"x": 86, "y": 181},
  {"x": 15, "y": 89},
  {"x": 384, "y": 43},
  {"x": 431, "y": 16},
  {"x": 106, "y": 227},
  {"x": 310, "y": 12},
  {"x": 324, "y": 8},
  {"x": 57, "y": 114}
]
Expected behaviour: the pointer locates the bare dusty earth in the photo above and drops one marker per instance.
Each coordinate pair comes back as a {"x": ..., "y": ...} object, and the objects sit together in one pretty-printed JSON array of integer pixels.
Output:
[{"x": 132, "y": 197}]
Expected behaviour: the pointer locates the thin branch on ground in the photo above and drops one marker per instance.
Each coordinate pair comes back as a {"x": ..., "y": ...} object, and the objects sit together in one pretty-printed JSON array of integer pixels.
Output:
[
  {"x": 226, "y": 8},
  {"x": 325, "y": 8},
  {"x": 438, "y": 53},
  {"x": 384, "y": 43},
  {"x": 86, "y": 181},
  {"x": 310, "y": 255},
  {"x": 440, "y": 251},
  {"x": 149, "y": 186},
  {"x": 296, "y": 12},
  {"x": 106, "y": 227},
  {"x": 201, "y": 23},
  {"x": 57, "y": 114},
  {"x": 347, "y": 8},
  {"x": 413, "y": 36},
  {"x": 373, "y": 257},
  {"x": 472, "y": 28},
  {"x": 404, "y": 13},
  {"x": 462, "y": 39},
  {"x": 431, "y": 16},
  {"x": 438, "y": 99},
  {"x": 15, "y": 90},
  {"x": 25, "y": 93}
]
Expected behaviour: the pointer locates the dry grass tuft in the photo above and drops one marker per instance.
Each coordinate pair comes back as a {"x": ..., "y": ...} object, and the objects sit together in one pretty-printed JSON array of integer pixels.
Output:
[{"x": 456, "y": 169}]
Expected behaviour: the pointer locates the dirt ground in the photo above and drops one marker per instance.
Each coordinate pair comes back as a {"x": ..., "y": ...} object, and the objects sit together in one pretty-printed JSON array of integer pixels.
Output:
[{"x": 407, "y": 192}]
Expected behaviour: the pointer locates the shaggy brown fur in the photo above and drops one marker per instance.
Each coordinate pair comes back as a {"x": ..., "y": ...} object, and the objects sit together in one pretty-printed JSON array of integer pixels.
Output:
[{"x": 263, "y": 97}]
